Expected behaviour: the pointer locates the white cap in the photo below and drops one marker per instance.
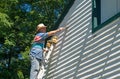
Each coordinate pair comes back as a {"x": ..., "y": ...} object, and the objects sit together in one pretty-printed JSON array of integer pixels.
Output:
[{"x": 41, "y": 25}]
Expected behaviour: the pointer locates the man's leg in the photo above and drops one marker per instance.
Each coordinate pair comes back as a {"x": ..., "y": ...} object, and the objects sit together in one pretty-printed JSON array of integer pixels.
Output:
[{"x": 35, "y": 66}]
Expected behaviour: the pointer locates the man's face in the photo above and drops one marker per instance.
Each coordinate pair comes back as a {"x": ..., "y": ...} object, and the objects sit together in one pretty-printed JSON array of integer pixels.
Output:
[{"x": 43, "y": 29}]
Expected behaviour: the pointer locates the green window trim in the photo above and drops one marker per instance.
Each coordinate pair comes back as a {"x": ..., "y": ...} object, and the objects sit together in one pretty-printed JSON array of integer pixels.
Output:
[{"x": 96, "y": 12}]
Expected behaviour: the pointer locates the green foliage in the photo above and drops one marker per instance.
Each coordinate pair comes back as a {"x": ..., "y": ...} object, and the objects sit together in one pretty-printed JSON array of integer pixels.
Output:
[
  {"x": 4, "y": 20},
  {"x": 4, "y": 23}
]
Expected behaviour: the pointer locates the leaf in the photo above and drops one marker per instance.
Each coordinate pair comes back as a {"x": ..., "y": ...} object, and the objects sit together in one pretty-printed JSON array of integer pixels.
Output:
[
  {"x": 9, "y": 43},
  {"x": 4, "y": 20}
]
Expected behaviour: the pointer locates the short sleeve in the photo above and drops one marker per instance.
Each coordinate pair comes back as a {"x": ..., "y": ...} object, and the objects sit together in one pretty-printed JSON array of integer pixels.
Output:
[
  {"x": 43, "y": 36},
  {"x": 40, "y": 37}
]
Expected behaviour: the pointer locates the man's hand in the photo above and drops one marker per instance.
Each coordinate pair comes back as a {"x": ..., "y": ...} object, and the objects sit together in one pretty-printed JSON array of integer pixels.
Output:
[
  {"x": 45, "y": 50},
  {"x": 61, "y": 28}
]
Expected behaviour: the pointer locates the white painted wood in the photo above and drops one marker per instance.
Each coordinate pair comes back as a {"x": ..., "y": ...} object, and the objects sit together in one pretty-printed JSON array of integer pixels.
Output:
[
  {"x": 80, "y": 54},
  {"x": 49, "y": 52}
]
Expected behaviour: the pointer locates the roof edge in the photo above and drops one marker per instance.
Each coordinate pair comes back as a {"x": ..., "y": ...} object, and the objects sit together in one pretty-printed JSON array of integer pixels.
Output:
[{"x": 65, "y": 11}]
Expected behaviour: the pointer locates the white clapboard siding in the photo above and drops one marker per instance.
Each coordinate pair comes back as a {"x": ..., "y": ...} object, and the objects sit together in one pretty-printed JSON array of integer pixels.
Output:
[{"x": 80, "y": 54}]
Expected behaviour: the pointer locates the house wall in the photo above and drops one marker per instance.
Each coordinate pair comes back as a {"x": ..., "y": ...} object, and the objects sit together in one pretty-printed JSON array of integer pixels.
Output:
[{"x": 81, "y": 54}]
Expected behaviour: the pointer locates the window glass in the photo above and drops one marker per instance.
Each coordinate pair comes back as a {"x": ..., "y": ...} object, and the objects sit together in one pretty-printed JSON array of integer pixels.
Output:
[
  {"x": 104, "y": 12},
  {"x": 108, "y": 9}
]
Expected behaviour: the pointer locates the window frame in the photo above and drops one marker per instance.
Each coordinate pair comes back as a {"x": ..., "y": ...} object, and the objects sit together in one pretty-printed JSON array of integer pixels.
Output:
[{"x": 98, "y": 16}]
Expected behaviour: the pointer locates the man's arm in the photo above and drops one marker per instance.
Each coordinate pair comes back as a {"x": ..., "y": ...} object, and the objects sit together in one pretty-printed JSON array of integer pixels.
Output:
[{"x": 55, "y": 31}]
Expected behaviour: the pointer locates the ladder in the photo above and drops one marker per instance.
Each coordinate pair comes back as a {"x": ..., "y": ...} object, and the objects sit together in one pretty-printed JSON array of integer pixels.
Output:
[{"x": 44, "y": 63}]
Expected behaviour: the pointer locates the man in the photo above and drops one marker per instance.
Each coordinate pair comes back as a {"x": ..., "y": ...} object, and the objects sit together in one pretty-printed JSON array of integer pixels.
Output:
[{"x": 36, "y": 53}]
